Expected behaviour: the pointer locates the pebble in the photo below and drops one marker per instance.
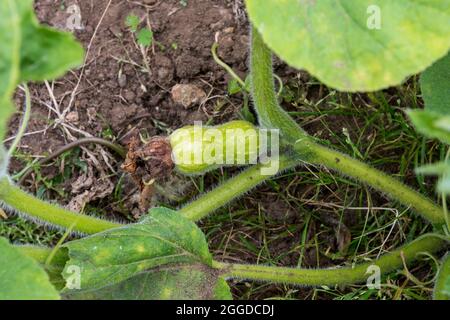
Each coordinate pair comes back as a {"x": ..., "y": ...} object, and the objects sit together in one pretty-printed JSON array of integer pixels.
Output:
[
  {"x": 72, "y": 117},
  {"x": 122, "y": 80},
  {"x": 187, "y": 95}
]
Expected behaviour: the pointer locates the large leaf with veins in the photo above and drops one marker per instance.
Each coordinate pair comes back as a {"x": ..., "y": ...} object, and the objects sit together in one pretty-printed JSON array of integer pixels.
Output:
[{"x": 355, "y": 45}]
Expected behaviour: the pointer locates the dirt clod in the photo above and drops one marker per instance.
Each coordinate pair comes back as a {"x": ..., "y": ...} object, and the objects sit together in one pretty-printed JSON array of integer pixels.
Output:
[
  {"x": 187, "y": 95},
  {"x": 73, "y": 117}
]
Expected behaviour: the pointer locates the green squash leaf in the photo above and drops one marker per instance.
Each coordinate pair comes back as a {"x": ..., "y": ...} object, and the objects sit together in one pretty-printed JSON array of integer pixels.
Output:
[
  {"x": 45, "y": 53},
  {"x": 49, "y": 55},
  {"x": 442, "y": 286},
  {"x": 431, "y": 124},
  {"x": 190, "y": 282},
  {"x": 435, "y": 85},
  {"x": 222, "y": 290},
  {"x": 21, "y": 278},
  {"x": 10, "y": 39},
  {"x": 164, "y": 238},
  {"x": 434, "y": 121},
  {"x": 362, "y": 45},
  {"x": 29, "y": 52},
  {"x": 436, "y": 126}
]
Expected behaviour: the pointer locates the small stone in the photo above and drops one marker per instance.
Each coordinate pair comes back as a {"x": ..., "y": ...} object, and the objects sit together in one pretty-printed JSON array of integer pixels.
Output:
[
  {"x": 228, "y": 30},
  {"x": 122, "y": 80},
  {"x": 187, "y": 95},
  {"x": 72, "y": 117}
]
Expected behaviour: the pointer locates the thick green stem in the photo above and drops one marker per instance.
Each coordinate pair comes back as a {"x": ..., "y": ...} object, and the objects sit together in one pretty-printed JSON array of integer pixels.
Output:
[
  {"x": 307, "y": 150},
  {"x": 376, "y": 179},
  {"x": 441, "y": 291},
  {"x": 30, "y": 205},
  {"x": 346, "y": 275},
  {"x": 270, "y": 114},
  {"x": 230, "y": 190}
]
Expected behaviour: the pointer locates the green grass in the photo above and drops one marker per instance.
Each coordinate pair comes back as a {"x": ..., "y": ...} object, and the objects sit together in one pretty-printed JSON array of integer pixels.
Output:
[
  {"x": 21, "y": 231},
  {"x": 293, "y": 220}
]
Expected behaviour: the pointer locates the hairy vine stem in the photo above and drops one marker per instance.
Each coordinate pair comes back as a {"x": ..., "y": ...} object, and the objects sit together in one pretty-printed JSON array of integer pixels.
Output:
[
  {"x": 230, "y": 190},
  {"x": 36, "y": 208},
  {"x": 389, "y": 262},
  {"x": 336, "y": 276},
  {"x": 307, "y": 150},
  {"x": 270, "y": 114},
  {"x": 376, "y": 179}
]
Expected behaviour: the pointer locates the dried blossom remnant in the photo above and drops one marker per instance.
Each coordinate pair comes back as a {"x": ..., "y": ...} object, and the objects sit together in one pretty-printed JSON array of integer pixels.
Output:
[
  {"x": 130, "y": 163},
  {"x": 148, "y": 162},
  {"x": 157, "y": 156},
  {"x": 153, "y": 159}
]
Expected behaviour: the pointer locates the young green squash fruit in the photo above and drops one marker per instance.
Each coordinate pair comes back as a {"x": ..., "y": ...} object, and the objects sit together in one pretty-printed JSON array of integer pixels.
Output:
[{"x": 197, "y": 149}]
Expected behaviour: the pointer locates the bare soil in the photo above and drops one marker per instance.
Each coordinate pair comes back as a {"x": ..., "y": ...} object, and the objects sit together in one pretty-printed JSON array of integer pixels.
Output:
[{"x": 112, "y": 95}]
